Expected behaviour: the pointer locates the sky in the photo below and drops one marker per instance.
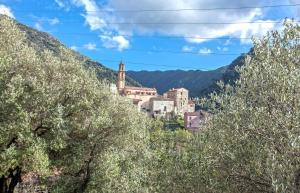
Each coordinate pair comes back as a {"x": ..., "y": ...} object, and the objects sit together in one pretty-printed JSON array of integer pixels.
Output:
[{"x": 155, "y": 34}]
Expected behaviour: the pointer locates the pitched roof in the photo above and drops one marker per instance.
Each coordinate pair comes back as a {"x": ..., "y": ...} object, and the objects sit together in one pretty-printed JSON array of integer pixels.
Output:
[{"x": 139, "y": 88}]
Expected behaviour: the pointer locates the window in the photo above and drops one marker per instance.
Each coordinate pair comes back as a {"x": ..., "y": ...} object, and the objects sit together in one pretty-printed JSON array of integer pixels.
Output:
[{"x": 165, "y": 108}]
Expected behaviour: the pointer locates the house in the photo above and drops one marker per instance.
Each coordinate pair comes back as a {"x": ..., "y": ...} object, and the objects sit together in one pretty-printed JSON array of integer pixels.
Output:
[
  {"x": 162, "y": 107},
  {"x": 191, "y": 106},
  {"x": 181, "y": 99},
  {"x": 194, "y": 120}
]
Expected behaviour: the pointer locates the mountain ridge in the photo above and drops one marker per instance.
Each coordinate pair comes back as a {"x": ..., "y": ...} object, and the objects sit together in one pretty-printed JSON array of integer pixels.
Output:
[
  {"x": 42, "y": 41},
  {"x": 199, "y": 83}
]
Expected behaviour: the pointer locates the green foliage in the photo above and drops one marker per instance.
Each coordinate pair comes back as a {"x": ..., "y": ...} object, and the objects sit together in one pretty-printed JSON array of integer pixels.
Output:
[
  {"x": 254, "y": 134},
  {"x": 41, "y": 42},
  {"x": 251, "y": 144},
  {"x": 169, "y": 165},
  {"x": 57, "y": 116}
]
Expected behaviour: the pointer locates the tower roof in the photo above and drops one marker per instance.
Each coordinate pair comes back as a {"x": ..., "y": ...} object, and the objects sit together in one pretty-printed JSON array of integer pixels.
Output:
[{"x": 121, "y": 66}]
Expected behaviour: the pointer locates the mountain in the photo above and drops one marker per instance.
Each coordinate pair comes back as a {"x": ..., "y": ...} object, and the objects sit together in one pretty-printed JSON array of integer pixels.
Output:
[
  {"x": 42, "y": 41},
  {"x": 228, "y": 77},
  {"x": 199, "y": 83}
]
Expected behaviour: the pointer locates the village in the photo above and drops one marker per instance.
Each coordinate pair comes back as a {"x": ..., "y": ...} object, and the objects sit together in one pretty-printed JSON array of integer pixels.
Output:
[
  {"x": 206, "y": 100},
  {"x": 173, "y": 104}
]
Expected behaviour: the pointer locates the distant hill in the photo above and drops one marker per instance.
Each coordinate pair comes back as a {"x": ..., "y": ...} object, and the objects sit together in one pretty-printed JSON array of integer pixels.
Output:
[
  {"x": 228, "y": 77},
  {"x": 42, "y": 41},
  {"x": 199, "y": 83}
]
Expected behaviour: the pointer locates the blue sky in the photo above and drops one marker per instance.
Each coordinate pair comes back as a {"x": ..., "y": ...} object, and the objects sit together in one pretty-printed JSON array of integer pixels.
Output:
[{"x": 146, "y": 39}]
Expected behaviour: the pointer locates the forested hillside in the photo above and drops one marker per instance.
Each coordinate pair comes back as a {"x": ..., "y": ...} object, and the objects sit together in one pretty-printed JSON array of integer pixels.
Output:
[
  {"x": 199, "y": 83},
  {"x": 42, "y": 41},
  {"x": 194, "y": 80},
  {"x": 229, "y": 76}
]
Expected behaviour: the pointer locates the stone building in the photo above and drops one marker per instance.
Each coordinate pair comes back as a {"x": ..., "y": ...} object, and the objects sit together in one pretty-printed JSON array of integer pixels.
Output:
[
  {"x": 181, "y": 99},
  {"x": 162, "y": 107},
  {"x": 191, "y": 106},
  {"x": 140, "y": 96},
  {"x": 174, "y": 102}
]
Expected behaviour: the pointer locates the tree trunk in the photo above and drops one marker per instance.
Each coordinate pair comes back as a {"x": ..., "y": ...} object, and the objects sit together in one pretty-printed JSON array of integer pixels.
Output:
[
  {"x": 8, "y": 184},
  {"x": 297, "y": 180}
]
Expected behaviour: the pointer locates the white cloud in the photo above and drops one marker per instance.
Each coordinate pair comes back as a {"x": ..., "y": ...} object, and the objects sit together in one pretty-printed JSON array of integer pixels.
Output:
[
  {"x": 60, "y": 3},
  {"x": 75, "y": 48},
  {"x": 236, "y": 23},
  {"x": 188, "y": 48},
  {"x": 119, "y": 42},
  {"x": 63, "y": 4},
  {"x": 6, "y": 11},
  {"x": 225, "y": 49},
  {"x": 90, "y": 46},
  {"x": 42, "y": 22},
  {"x": 54, "y": 21},
  {"x": 192, "y": 16},
  {"x": 227, "y": 42},
  {"x": 205, "y": 51},
  {"x": 38, "y": 26},
  {"x": 93, "y": 16}
]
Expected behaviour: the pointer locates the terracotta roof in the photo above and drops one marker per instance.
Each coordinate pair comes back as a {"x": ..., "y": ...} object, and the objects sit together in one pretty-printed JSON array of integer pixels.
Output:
[{"x": 139, "y": 88}]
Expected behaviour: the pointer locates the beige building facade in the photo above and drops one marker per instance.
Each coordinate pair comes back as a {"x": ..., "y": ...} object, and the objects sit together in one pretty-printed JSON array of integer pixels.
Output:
[
  {"x": 181, "y": 99},
  {"x": 162, "y": 107},
  {"x": 174, "y": 102},
  {"x": 140, "y": 96}
]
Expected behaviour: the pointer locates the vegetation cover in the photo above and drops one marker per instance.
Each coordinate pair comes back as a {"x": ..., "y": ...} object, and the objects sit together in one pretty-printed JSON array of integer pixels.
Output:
[
  {"x": 199, "y": 83},
  {"x": 58, "y": 121},
  {"x": 55, "y": 116}
]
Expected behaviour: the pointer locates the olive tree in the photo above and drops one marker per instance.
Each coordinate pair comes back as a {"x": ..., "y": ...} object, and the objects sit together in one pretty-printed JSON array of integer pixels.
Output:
[
  {"x": 57, "y": 118},
  {"x": 254, "y": 136}
]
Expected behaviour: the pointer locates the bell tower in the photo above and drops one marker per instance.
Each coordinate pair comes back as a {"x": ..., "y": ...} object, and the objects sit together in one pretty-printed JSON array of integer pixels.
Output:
[{"x": 121, "y": 77}]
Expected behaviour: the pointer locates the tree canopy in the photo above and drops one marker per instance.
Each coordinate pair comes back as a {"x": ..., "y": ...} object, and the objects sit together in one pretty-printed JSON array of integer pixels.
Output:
[
  {"x": 56, "y": 116},
  {"x": 58, "y": 121}
]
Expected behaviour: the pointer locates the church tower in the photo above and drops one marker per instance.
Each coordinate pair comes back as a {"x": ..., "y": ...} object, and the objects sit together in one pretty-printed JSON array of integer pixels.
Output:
[{"x": 121, "y": 77}]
